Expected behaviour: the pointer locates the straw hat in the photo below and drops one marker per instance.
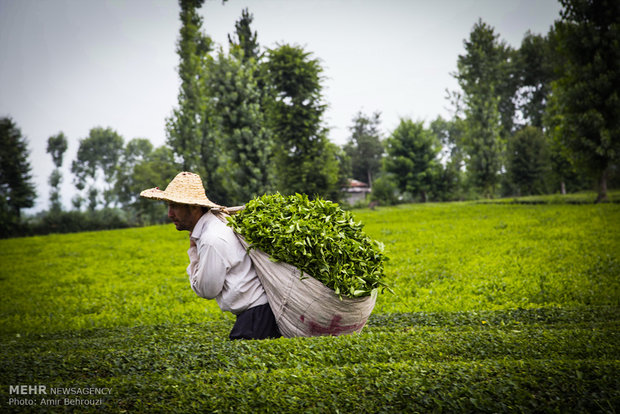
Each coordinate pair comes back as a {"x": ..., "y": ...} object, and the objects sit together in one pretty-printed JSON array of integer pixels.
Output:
[{"x": 185, "y": 188}]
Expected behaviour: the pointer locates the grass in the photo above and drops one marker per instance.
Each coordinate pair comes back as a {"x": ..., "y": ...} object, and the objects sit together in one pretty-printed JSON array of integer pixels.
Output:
[{"x": 498, "y": 307}]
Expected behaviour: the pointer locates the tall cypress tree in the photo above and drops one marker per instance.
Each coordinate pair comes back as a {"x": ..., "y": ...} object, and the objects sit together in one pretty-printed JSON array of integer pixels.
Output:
[
  {"x": 16, "y": 188},
  {"x": 56, "y": 147},
  {"x": 246, "y": 40},
  {"x": 187, "y": 126}
]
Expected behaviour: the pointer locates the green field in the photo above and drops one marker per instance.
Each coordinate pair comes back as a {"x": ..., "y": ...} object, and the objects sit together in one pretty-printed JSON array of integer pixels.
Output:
[{"x": 497, "y": 308}]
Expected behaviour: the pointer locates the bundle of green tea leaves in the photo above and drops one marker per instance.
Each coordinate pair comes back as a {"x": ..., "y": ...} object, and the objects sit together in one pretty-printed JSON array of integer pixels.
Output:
[{"x": 317, "y": 237}]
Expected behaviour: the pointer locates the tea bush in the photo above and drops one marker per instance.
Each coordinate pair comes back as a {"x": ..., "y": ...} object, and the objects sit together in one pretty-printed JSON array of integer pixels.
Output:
[
  {"x": 462, "y": 256},
  {"x": 497, "y": 308},
  {"x": 527, "y": 360},
  {"x": 98, "y": 279}
]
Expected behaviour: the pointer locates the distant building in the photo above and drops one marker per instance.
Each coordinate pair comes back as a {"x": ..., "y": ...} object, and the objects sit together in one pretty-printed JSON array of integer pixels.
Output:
[{"x": 355, "y": 191}]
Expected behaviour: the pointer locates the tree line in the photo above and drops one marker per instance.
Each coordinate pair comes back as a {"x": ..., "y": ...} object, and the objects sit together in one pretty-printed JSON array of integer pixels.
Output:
[{"x": 542, "y": 118}]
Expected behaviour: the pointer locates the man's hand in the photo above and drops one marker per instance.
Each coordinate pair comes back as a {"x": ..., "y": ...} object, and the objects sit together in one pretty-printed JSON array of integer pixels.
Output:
[{"x": 192, "y": 243}]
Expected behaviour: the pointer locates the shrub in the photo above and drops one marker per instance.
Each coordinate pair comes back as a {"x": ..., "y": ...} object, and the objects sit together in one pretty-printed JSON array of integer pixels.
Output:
[{"x": 384, "y": 191}]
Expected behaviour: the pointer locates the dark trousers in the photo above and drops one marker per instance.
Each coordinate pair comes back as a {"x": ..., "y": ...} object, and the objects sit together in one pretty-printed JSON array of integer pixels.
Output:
[{"x": 255, "y": 323}]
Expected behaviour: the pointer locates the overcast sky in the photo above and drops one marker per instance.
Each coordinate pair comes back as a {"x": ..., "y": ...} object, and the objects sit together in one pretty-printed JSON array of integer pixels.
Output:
[{"x": 71, "y": 65}]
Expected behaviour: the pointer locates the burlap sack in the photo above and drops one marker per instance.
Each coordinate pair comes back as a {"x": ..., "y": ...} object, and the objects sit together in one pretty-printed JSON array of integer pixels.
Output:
[{"x": 303, "y": 306}]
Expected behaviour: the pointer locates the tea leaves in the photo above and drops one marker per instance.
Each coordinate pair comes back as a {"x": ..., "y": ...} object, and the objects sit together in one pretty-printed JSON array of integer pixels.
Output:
[{"x": 317, "y": 237}]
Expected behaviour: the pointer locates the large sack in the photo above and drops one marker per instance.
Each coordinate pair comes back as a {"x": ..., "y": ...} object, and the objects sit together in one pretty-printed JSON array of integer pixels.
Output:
[{"x": 302, "y": 305}]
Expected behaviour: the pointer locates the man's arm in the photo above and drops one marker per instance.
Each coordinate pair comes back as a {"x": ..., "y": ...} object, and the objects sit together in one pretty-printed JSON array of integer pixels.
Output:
[{"x": 207, "y": 270}]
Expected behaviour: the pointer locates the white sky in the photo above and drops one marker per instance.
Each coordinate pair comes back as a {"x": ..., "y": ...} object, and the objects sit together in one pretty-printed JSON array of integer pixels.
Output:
[{"x": 71, "y": 65}]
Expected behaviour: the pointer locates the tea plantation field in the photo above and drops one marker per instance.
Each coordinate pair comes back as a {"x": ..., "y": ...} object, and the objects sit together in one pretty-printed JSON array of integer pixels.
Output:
[{"x": 497, "y": 308}]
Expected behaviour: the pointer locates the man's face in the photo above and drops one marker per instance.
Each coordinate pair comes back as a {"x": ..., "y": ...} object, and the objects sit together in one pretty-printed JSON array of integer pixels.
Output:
[{"x": 183, "y": 216}]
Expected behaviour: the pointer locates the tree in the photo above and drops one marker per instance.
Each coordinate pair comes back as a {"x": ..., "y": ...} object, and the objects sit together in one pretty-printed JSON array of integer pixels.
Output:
[
  {"x": 246, "y": 48},
  {"x": 384, "y": 190},
  {"x": 16, "y": 188},
  {"x": 188, "y": 127},
  {"x": 485, "y": 74},
  {"x": 483, "y": 143},
  {"x": 303, "y": 160},
  {"x": 528, "y": 161},
  {"x": 337, "y": 170},
  {"x": 136, "y": 151},
  {"x": 412, "y": 157},
  {"x": 239, "y": 125},
  {"x": 96, "y": 165},
  {"x": 564, "y": 177},
  {"x": 489, "y": 68},
  {"x": 144, "y": 167},
  {"x": 587, "y": 93},
  {"x": 535, "y": 72},
  {"x": 56, "y": 147},
  {"x": 451, "y": 184},
  {"x": 246, "y": 40},
  {"x": 364, "y": 147}
]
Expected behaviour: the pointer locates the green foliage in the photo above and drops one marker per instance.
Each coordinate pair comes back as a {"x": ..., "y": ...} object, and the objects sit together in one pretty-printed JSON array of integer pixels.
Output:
[
  {"x": 587, "y": 92},
  {"x": 97, "y": 279},
  {"x": 564, "y": 177},
  {"x": 365, "y": 148},
  {"x": 584, "y": 197},
  {"x": 498, "y": 308},
  {"x": 462, "y": 257},
  {"x": 535, "y": 61},
  {"x": 16, "y": 188},
  {"x": 484, "y": 75},
  {"x": 143, "y": 167},
  {"x": 483, "y": 143},
  {"x": 384, "y": 190},
  {"x": 185, "y": 134},
  {"x": 412, "y": 157},
  {"x": 239, "y": 123},
  {"x": 449, "y": 184},
  {"x": 317, "y": 237},
  {"x": 339, "y": 171},
  {"x": 304, "y": 161},
  {"x": 485, "y": 71},
  {"x": 97, "y": 160},
  {"x": 77, "y": 221},
  {"x": 530, "y": 361},
  {"x": 246, "y": 41},
  {"x": 528, "y": 161},
  {"x": 56, "y": 147},
  {"x": 250, "y": 123}
]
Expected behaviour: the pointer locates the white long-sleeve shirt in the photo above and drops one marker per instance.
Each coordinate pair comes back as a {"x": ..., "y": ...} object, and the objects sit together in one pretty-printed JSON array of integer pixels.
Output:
[{"x": 221, "y": 269}]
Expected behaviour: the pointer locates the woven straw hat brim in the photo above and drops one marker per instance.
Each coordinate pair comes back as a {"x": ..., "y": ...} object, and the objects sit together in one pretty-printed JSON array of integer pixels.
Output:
[
  {"x": 157, "y": 194},
  {"x": 185, "y": 188}
]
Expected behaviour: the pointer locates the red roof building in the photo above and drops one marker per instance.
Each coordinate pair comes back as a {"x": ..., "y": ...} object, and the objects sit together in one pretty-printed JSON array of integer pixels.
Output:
[{"x": 355, "y": 191}]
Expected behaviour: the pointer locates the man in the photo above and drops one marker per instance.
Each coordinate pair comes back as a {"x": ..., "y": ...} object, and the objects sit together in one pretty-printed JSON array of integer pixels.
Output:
[{"x": 219, "y": 267}]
